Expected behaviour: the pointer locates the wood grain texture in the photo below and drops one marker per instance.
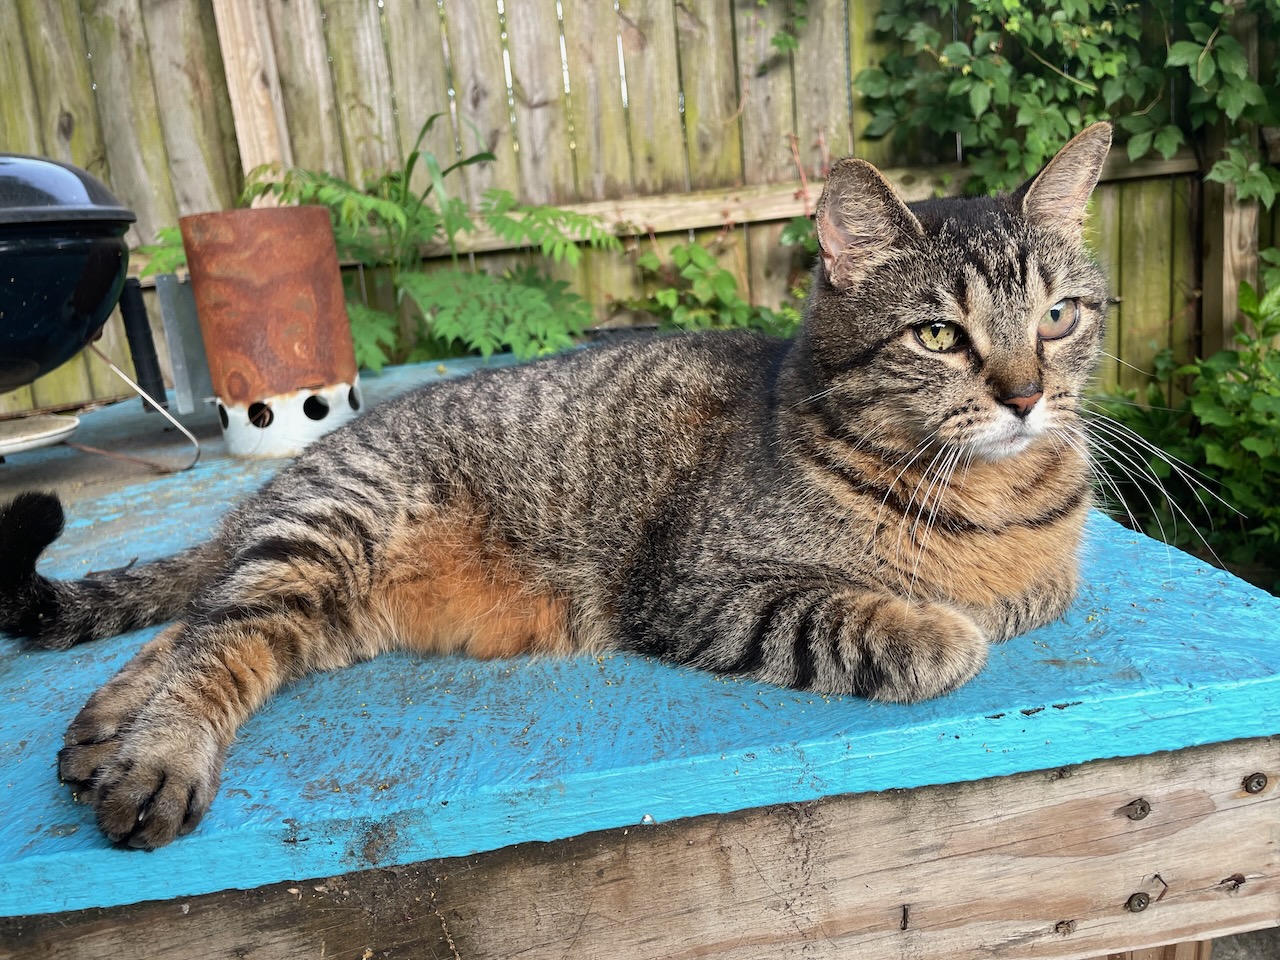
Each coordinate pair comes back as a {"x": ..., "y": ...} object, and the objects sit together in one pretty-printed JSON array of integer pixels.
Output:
[
  {"x": 484, "y": 116},
  {"x": 1038, "y": 865},
  {"x": 600, "y": 136},
  {"x": 1230, "y": 233},
  {"x": 648, "y": 42},
  {"x": 1146, "y": 256},
  {"x": 420, "y": 78},
  {"x": 544, "y": 153},
  {"x": 253, "y": 82},
  {"x": 116, "y": 36},
  {"x": 823, "y": 97},
  {"x": 1185, "y": 293},
  {"x": 407, "y": 759},
  {"x": 866, "y": 49},
  {"x": 768, "y": 129},
  {"x": 195, "y": 104},
  {"x": 709, "y": 79},
  {"x": 69, "y": 131},
  {"x": 19, "y": 133},
  {"x": 362, "y": 88},
  {"x": 1103, "y": 235},
  {"x": 306, "y": 85}
]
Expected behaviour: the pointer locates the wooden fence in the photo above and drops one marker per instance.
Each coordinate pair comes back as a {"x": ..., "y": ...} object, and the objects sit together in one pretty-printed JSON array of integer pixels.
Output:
[{"x": 674, "y": 117}]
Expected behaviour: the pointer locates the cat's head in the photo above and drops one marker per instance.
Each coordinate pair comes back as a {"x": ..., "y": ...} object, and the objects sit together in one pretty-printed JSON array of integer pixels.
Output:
[{"x": 972, "y": 321}]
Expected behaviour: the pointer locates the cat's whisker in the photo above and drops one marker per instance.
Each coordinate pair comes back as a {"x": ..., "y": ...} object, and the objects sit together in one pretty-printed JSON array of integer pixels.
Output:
[
  {"x": 1188, "y": 474},
  {"x": 926, "y": 474},
  {"x": 910, "y": 457},
  {"x": 1138, "y": 471},
  {"x": 1125, "y": 363},
  {"x": 943, "y": 484}
]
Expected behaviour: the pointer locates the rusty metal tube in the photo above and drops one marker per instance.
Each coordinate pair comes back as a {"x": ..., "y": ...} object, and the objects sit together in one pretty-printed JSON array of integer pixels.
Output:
[{"x": 268, "y": 294}]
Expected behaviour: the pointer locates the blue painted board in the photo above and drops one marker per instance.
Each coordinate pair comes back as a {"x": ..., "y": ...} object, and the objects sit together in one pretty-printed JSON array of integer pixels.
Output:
[{"x": 405, "y": 758}]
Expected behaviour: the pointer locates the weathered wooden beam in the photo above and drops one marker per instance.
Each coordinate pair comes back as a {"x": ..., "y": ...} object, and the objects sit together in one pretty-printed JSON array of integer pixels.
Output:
[
  {"x": 1106, "y": 856},
  {"x": 713, "y": 209}
]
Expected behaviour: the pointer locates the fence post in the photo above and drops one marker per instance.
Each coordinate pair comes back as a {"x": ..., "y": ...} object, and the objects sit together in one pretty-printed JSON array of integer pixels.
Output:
[{"x": 1229, "y": 234}]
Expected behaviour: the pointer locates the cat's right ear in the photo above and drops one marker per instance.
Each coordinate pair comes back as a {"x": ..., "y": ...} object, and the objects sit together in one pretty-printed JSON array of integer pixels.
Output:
[{"x": 861, "y": 222}]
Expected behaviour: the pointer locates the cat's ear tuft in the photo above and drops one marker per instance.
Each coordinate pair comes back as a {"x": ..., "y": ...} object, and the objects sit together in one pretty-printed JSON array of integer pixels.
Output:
[
  {"x": 861, "y": 222},
  {"x": 1058, "y": 196}
]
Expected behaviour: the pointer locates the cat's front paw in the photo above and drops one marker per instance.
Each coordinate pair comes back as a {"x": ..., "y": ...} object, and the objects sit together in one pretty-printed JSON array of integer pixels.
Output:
[
  {"x": 916, "y": 651},
  {"x": 149, "y": 770}
]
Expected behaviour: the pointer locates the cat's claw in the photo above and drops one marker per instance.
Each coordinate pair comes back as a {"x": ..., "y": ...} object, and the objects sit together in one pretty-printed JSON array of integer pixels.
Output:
[
  {"x": 147, "y": 764},
  {"x": 148, "y": 784}
]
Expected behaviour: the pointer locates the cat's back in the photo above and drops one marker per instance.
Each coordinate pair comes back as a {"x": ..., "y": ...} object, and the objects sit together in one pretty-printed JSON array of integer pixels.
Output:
[{"x": 597, "y": 401}]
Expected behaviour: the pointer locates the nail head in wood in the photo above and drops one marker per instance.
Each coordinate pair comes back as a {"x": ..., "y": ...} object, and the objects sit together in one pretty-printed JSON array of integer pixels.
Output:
[
  {"x": 1255, "y": 783},
  {"x": 1138, "y": 902},
  {"x": 1137, "y": 809}
]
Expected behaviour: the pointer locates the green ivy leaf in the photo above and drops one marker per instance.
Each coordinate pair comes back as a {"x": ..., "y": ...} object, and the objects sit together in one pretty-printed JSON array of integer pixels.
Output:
[
  {"x": 1139, "y": 144},
  {"x": 979, "y": 98}
]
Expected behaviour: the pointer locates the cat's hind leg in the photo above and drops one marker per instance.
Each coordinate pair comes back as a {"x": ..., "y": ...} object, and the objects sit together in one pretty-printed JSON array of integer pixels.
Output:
[{"x": 147, "y": 749}]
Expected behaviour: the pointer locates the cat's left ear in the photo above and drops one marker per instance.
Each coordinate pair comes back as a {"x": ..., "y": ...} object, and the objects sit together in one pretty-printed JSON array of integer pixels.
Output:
[{"x": 1058, "y": 196}]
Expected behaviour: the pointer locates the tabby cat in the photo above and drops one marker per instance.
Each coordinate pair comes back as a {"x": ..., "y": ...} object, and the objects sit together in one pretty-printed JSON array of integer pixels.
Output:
[{"x": 860, "y": 510}]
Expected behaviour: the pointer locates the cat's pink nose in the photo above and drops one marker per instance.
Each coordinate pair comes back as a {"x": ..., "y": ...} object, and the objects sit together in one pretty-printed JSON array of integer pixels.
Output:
[{"x": 1022, "y": 403}]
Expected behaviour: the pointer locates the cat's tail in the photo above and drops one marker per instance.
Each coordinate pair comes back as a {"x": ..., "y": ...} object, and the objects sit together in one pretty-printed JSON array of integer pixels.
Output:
[{"x": 61, "y": 613}]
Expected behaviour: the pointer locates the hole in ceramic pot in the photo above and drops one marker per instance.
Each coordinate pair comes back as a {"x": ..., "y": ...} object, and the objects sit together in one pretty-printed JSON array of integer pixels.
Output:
[
  {"x": 353, "y": 398},
  {"x": 222, "y": 416},
  {"x": 260, "y": 415},
  {"x": 315, "y": 407}
]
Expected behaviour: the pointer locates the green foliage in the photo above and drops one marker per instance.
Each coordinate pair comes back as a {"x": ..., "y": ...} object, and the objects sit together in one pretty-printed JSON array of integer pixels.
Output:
[
  {"x": 388, "y": 224},
  {"x": 1227, "y": 429},
  {"x": 1013, "y": 81},
  {"x": 521, "y": 311},
  {"x": 166, "y": 255},
  {"x": 691, "y": 291}
]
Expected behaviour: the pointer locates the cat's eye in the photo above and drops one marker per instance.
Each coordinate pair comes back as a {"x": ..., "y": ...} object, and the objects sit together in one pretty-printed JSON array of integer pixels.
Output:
[
  {"x": 1059, "y": 320},
  {"x": 940, "y": 336}
]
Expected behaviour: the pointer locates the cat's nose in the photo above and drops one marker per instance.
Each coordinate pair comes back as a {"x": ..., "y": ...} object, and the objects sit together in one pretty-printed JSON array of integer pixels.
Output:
[{"x": 1022, "y": 402}]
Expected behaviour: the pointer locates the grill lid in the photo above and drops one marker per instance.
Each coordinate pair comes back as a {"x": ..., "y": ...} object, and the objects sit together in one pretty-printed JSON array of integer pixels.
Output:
[{"x": 37, "y": 190}]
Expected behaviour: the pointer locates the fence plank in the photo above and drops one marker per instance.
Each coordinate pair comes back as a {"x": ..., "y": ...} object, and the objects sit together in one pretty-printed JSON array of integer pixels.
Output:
[
  {"x": 19, "y": 133},
  {"x": 866, "y": 49},
  {"x": 603, "y": 158},
  {"x": 768, "y": 121},
  {"x": 1147, "y": 218},
  {"x": 484, "y": 116},
  {"x": 121, "y": 67},
  {"x": 1184, "y": 280},
  {"x": 823, "y": 118},
  {"x": 648, "y": 34},
  {"x": 602, "y": 153},
  {"x": 195, "y": 104},
  {"x": 19, "y": 108},
  {"x": 68, "y": 118},
  {"x": 708, "y": 67},
  {"x": 544, "y": 151},
  {"x": 415, "y": 53},
  {"x": 362, "y": 88},
  {"x": 253, "y": 82},
  {"x": 306, "y": 85},
  {"x": 1103, "y": 232},
  {"x": 68, "y": 122},
  {"x": 544, "y": 144}
]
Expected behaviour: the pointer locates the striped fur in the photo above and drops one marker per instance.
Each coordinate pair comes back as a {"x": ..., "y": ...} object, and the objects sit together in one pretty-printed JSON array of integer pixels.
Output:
[{"x": 849, "y": 512}]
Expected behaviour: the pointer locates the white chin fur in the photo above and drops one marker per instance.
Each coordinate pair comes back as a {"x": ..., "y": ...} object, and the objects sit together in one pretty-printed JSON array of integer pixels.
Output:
[{"x": 1007, "y": 435}]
